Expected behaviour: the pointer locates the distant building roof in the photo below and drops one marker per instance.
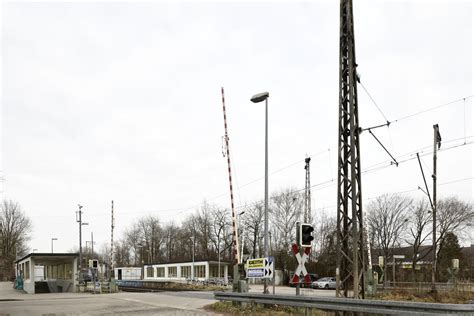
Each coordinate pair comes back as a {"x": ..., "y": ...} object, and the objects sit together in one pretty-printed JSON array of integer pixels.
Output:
[
  {"x": 49, "y": 255},
  {"x": 196, "y": 261}
]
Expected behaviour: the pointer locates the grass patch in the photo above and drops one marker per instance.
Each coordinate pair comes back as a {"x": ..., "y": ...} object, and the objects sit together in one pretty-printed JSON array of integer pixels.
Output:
[
  {"x": 228, "y": 308},
  {"x": 451, "y": 297}
]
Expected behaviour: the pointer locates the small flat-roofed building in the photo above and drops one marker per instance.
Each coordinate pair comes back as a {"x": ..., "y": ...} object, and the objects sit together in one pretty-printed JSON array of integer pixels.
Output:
[
  {"x": 128, "y": 273},
  {"x": 181, "y": 271},
  {"x": 59, "y": 272}
]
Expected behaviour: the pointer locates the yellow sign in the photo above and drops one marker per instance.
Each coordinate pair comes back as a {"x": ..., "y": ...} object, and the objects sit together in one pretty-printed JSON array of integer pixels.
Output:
[{"x": 256, "y": 263}]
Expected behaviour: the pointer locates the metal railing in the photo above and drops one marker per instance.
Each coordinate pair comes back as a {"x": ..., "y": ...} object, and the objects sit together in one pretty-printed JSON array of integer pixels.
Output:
[{"x": 349, "y": 305}]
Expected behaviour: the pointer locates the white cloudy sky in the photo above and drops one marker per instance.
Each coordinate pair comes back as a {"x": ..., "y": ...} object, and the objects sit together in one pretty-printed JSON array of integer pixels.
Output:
[{"x": 121, "y": 101}]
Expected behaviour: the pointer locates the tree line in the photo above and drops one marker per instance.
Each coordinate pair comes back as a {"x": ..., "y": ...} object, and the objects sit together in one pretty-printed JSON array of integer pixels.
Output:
[
  {"x": 393, "y": 222},
  {"x": 15, "y": 229}
]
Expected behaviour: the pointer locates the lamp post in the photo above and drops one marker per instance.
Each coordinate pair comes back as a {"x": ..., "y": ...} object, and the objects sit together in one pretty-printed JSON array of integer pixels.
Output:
[
  {"x": 52, "y": 239},
  {"x": 256, "y": 99},
  {"x": 436, "y": 145},
  {"x": 192, "y": 269},
  {"x": 79, "y": 220}
]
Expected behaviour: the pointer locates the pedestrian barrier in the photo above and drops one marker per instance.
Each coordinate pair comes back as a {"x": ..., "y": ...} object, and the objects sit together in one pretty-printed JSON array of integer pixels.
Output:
[{"x": 349, "y": 305}]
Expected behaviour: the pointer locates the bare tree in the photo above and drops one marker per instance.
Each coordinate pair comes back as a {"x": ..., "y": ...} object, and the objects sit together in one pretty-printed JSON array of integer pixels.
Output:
[
  {"x": 387, "y": 218},
  {"x": 132, "y": 243},
  {"x": 419, "y": 231},
  {"x": 253, "y": 220},
  {"x": 286, "y": 210},
  {"x": 203, "y": 220},
  {"x": 15, "y": 229},
  {"x": 122, "y": 254},
  {"x": 170, "y": 233},
  {"x": 219, "y": 229},
  {"x": 325, "y": 238},
  {"x": 453, "y": 216}
]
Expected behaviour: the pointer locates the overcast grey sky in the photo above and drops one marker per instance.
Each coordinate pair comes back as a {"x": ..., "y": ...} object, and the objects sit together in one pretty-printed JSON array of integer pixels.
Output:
[{"x": 122, "y": 101}]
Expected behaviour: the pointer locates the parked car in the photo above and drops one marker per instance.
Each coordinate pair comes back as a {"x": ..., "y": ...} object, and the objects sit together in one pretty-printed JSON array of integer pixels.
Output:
[{"x": 324, "y": 283}]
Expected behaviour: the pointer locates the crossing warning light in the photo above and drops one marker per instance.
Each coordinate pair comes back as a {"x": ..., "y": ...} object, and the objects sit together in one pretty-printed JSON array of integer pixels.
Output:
[
  {"x": 94, "y": 263},
  {"x": 306, "y": 237}
]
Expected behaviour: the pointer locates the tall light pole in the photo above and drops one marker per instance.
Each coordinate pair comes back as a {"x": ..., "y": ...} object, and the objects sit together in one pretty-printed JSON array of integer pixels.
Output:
[
  {"x": 436, "y": 146},
  {"x": 52, "y": 239},
  {"x": 192, "y": 269},
  {"x": 79, "y": 220},
  {"x": 256, "y": 99}
]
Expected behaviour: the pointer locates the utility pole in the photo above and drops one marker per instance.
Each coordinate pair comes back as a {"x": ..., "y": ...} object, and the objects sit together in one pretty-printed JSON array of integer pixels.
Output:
[
  {"x": 350, "y": 249},
  {"x": 92, "y": 245},
  {"x": 79, "y": 220},
  {"x": 307, "y": 193},
  {"x": 111, "y": 259},
  {"x": 436, "y": 146},
  {"x": 192, "y": 271}
]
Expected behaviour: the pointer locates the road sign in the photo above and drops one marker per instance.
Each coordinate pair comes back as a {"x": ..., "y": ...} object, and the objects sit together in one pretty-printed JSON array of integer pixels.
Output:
[
  {"x": 301, "y": 269},
  {"x": 260, "y": 268}
]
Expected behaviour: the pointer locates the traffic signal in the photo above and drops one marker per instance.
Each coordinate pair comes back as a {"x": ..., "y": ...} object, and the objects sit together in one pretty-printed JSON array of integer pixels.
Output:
[
  {"x": 94, "y": 263},
  {"x": 306, "y": 236}
]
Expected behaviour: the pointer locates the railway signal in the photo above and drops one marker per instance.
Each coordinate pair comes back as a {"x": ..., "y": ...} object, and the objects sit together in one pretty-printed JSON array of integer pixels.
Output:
[{"x": 306, "y": 237}]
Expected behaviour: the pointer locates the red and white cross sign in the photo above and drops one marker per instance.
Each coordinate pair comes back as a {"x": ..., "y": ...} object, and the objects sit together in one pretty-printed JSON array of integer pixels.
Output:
[{"x": 301, "y": 269}]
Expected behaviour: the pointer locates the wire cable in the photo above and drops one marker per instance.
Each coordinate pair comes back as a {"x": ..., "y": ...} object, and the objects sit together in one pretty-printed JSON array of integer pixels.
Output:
[
  {"x": 373, "y": 101},
  {"x": 431, "y": 109}
]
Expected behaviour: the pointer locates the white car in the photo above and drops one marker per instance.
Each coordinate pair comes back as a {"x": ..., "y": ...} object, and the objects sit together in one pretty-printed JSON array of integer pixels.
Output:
[{"x": 324, "y": 283}]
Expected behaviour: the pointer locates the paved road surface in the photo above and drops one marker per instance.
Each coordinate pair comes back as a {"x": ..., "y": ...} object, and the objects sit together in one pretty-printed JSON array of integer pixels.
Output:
[{"x": 125, "y": 303}]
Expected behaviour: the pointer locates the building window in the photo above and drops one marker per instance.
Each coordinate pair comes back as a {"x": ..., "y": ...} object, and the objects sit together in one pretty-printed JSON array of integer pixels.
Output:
[
  {"x": 186, "y": 272},
  {"x": 199, "y": 271},
  {"x": 172, "y": 272},
  {"x": 68, "y": 270},
  {"x": 214, "y": 271},
  {"x": 150, "y": 272},
  {"x": 27, "y": 270},
  {"x": 60, "y": 271},
  {"x": 160, "y": 272}
]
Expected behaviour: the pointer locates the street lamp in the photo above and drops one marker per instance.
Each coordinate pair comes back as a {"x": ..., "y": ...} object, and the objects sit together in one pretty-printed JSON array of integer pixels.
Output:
[
  {"x": 192, "y": 271},
  {"x": 80, "y": 245},
  {"x": 256, "y": 99},
  {"x": 52, "y": 239}
]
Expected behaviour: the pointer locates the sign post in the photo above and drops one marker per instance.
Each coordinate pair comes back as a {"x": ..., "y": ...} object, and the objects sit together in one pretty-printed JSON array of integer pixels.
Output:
[
  {"x": 261, "y": 268},
  {"x": 301, "y": 274}
]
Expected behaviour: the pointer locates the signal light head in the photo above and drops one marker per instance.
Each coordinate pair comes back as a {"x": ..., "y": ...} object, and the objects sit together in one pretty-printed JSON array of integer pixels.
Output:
[{"x": 306, "y": 237}]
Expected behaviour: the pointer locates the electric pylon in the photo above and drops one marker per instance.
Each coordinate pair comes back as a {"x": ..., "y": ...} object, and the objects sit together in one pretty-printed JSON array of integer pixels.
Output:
[
  {"x": 307, "y": 218},
  {"x": 350, "y": 258}
]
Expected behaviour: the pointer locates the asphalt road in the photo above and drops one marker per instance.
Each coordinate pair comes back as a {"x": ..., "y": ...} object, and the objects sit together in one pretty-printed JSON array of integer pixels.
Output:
[{"x": 124, "y": 303}]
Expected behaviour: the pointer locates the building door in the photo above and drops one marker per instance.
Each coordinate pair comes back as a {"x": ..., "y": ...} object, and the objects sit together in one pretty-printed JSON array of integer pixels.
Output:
[{"x": 119, "y": 274}]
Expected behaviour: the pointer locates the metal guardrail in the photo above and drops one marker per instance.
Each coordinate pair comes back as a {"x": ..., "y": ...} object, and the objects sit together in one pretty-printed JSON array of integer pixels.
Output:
[{"x": 349, "y": 304}]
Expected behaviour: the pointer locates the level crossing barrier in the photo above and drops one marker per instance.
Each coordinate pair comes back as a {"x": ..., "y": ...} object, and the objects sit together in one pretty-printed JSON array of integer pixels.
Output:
[{"x": 366, "y": 306}]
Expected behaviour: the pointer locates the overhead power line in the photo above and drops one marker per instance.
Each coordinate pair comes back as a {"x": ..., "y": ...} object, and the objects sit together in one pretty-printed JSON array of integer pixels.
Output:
[
  {"x": 373, "y": 101},
  {"x": 431, "y": 109},
  {"x": 318, "y": 186}
]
